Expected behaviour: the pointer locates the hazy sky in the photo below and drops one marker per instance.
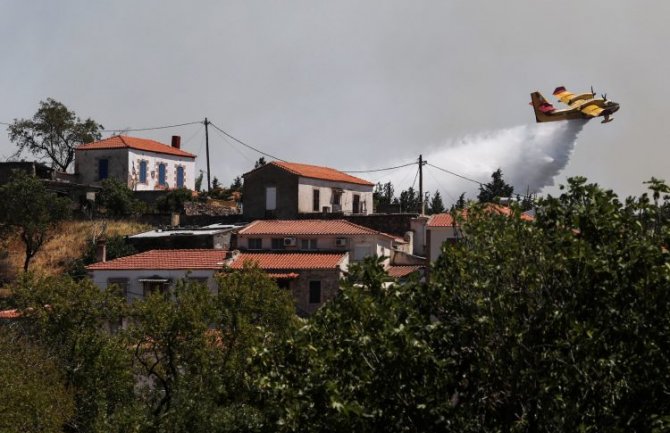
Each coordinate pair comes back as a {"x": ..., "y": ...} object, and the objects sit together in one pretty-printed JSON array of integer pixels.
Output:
[{"x": 348, "y": 84}]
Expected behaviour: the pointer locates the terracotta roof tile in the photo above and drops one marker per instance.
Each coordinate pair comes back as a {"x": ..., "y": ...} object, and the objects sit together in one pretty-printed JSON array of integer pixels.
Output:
[
  {"x": 447, "y": 220},
  {"x": 402, "y": 270},
  {"x": 318, "y": 172},
  {"x": 308, "y": 227},
  {"x": 10, "y": 314},
  {"x": 166, "y": 259},
  {"x": 289, "y": 261},
  {"x": 124, "y": 141}
]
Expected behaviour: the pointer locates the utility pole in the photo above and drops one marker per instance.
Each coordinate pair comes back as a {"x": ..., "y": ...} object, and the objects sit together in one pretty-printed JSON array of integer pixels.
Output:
[
  {"x": 209, "y": 181},
  {"x": 421, "y": 197}
]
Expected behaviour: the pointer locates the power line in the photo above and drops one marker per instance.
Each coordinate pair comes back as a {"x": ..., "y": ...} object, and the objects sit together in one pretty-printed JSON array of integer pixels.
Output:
[
  {"x": 456, "y": 174},
  {"x": 245, "y": 144},
  {"x": 150, "y": 129},
  {"x": 380, "y": 169}
]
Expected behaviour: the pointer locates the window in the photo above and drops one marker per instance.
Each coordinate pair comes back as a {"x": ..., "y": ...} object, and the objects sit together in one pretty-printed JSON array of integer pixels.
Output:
[
  {"x": 337, "y": 196},
  {"x": 103, "y": 169},
  {"x": 278, "y": 243},
  {"x": 180, "y": 177},
  {"x": 270, "y": 197},
  {"x": 154, "y": 285},
  {"x": 316, "y": 200},
  {"x": 143, "y": 171},
  {"x": 315, "y": 292},
  {"x": 356, "y": 205},
  {"x": 308, "y": 244},
  {"x": 255, "y": 243},
  {"x": 162, "y": 168}
]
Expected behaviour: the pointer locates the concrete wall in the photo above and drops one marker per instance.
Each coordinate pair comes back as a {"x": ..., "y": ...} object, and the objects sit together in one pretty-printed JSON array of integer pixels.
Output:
[
  {"x": 86, "y": 165},
  {"x": 253, "y": 193},
  {"x": 418, "y": 227},
  {"x": 306, "y": 187},
  {"x": 135, "y": 288},
  {"x": 436, "y": 236},
  {"x": 153, "y": 159}
]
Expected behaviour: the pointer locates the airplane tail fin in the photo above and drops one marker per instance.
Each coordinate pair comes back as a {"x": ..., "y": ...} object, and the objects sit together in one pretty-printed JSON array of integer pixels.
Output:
[{"x": 541, "y": 107}]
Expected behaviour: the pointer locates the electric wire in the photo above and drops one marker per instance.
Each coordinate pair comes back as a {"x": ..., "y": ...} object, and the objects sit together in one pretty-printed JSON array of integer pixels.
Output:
[
  {"x": 245, "y": 144},
  {"x": 440, "y": 186},
  {"x": 225, "y": 138},
  {"x": 455, "y": 174},
  {"x": 380, "y": 169},
  {"x": 152, "y": 128}
]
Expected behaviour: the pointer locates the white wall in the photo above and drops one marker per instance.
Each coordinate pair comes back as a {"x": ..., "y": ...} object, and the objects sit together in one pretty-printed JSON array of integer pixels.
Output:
[
  {"x": 153, "y": 159},
  {"x": 306, "y": 186},
  {"x": 135, "y": 287},
  {"x": 438, "y": 235},
  {"x": 379, "y": 245}
]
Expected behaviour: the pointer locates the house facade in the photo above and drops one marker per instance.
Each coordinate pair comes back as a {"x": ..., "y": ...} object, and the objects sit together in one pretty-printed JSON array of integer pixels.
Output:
[
  {"x": 313, "y": 278},
  {"x": 144, "y": 165},
  {"x": 317, "y": 235},
  {"x": 285, "y": 189},
  {"x": 158, "y": 270}
]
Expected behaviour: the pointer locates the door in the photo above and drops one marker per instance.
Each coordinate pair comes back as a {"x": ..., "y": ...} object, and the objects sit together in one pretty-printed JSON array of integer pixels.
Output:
[
  {"x": 270, "y": 198},
  {"x": 357, "y": 203}
]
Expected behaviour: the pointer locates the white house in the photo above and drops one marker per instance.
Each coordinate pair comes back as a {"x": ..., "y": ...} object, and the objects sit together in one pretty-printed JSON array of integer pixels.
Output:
[
  {"x": 158, "y": 270},
  {"x": 145, "y": 165},
  {"x": 317, "y": 235}
]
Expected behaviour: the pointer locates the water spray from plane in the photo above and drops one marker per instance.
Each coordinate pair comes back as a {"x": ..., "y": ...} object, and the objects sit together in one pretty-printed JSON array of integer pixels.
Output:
[{"x": 530, "y": 157}]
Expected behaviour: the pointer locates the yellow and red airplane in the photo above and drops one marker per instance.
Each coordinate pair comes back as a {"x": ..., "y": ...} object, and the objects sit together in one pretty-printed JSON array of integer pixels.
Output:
[{"x": 582, "y": 106}]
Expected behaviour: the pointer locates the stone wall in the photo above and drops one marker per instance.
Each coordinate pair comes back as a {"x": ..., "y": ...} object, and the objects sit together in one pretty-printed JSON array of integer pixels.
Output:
[
  {"x": 253, "y": 193},
  {"x": 330, "y": 285}
]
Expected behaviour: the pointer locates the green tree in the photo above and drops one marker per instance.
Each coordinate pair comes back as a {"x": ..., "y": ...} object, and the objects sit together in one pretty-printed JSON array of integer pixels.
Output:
[
  {"x": 116, "y": 246},
  {"x": 260, "y": 162},
  {"x": 410, "y": 200},
  {"x": 236, "y": 186},
  {"x": 558, "y": 324},
  {"x": 53, "y": 133},
  {"x": 73, "y": 321},
  {"x": 32, "y": 211},
  {"x": 117, "y": 199},
  {"x": 493, "y": 191},
  {"x": 383, "y": 195},
  {"x": 34, "y": 396},
  {"x": 461, "y": 203},
  {"x": 173, "y": 200},
  {"x": 198, "y": 181},
  {"x": 436, "y": 204}
]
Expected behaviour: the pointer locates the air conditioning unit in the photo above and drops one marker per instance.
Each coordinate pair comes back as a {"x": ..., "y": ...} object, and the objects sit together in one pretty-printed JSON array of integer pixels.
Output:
[
  {"x": 341, "y": 242},
  {"x": 289, "y": 242}
]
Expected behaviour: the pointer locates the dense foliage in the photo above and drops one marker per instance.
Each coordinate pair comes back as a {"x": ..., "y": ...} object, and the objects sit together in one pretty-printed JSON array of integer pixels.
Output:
[
  {"x": 117, "y": 200},
  {"x": 552, "y": 325}
]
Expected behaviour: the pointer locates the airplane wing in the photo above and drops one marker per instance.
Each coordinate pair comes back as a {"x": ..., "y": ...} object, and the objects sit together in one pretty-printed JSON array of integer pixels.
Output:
[
  {"x": 571, "y": 99},
  {"x": 591, "y": 110}
]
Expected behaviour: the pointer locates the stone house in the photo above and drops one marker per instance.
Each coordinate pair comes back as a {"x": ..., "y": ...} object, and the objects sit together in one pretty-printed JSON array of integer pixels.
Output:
[
  {"x": 143, "y": 164},
  {"x": 286, "y": 189},
  {"x": 312, "y": 277}
]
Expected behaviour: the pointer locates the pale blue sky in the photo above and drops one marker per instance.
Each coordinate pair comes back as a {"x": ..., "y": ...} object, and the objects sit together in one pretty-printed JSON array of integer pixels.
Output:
[{"x": 347, "y": 84}]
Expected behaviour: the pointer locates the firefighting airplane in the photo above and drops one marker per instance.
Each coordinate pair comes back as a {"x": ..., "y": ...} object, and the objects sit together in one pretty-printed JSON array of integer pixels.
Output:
[{"x": 582, "y": 106}]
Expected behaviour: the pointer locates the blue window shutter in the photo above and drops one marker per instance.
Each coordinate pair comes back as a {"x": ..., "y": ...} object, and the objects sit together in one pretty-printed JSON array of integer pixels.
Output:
[
  {"x": 143, "y": 171},
  {"x": 180, "y": 177},
  {"x": 161, "y": 174}
]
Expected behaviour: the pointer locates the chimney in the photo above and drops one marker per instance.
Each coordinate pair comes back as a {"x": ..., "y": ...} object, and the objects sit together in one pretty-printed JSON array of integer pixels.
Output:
[
  {"x": 101, "y": 250},
  {"x": 176, "y": 141}
]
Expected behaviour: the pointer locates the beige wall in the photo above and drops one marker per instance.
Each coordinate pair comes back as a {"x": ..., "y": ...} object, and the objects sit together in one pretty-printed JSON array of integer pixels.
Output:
[
  {"x": 330, "y": 285},
  {"x": 436, "y": 237},
  {"x": 306, "y": 187}
]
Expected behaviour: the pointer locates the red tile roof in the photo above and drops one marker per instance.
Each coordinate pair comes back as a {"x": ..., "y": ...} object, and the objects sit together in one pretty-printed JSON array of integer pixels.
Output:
[
  {"x": 402, "y": 270},
  {"x": 166, "y": 259},
  {"x": 447, "y": 220},
  {"x": 10, "y": 314},
  {"x": 124, "y": 141},
  {"x": 308, "y": 227},
  {"x": 318, "y": 172},
  {"x": 289, "y": 261}
]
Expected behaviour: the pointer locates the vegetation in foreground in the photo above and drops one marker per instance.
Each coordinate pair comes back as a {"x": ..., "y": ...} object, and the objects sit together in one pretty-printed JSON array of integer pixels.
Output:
[{"x": 562, "y": 324}]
